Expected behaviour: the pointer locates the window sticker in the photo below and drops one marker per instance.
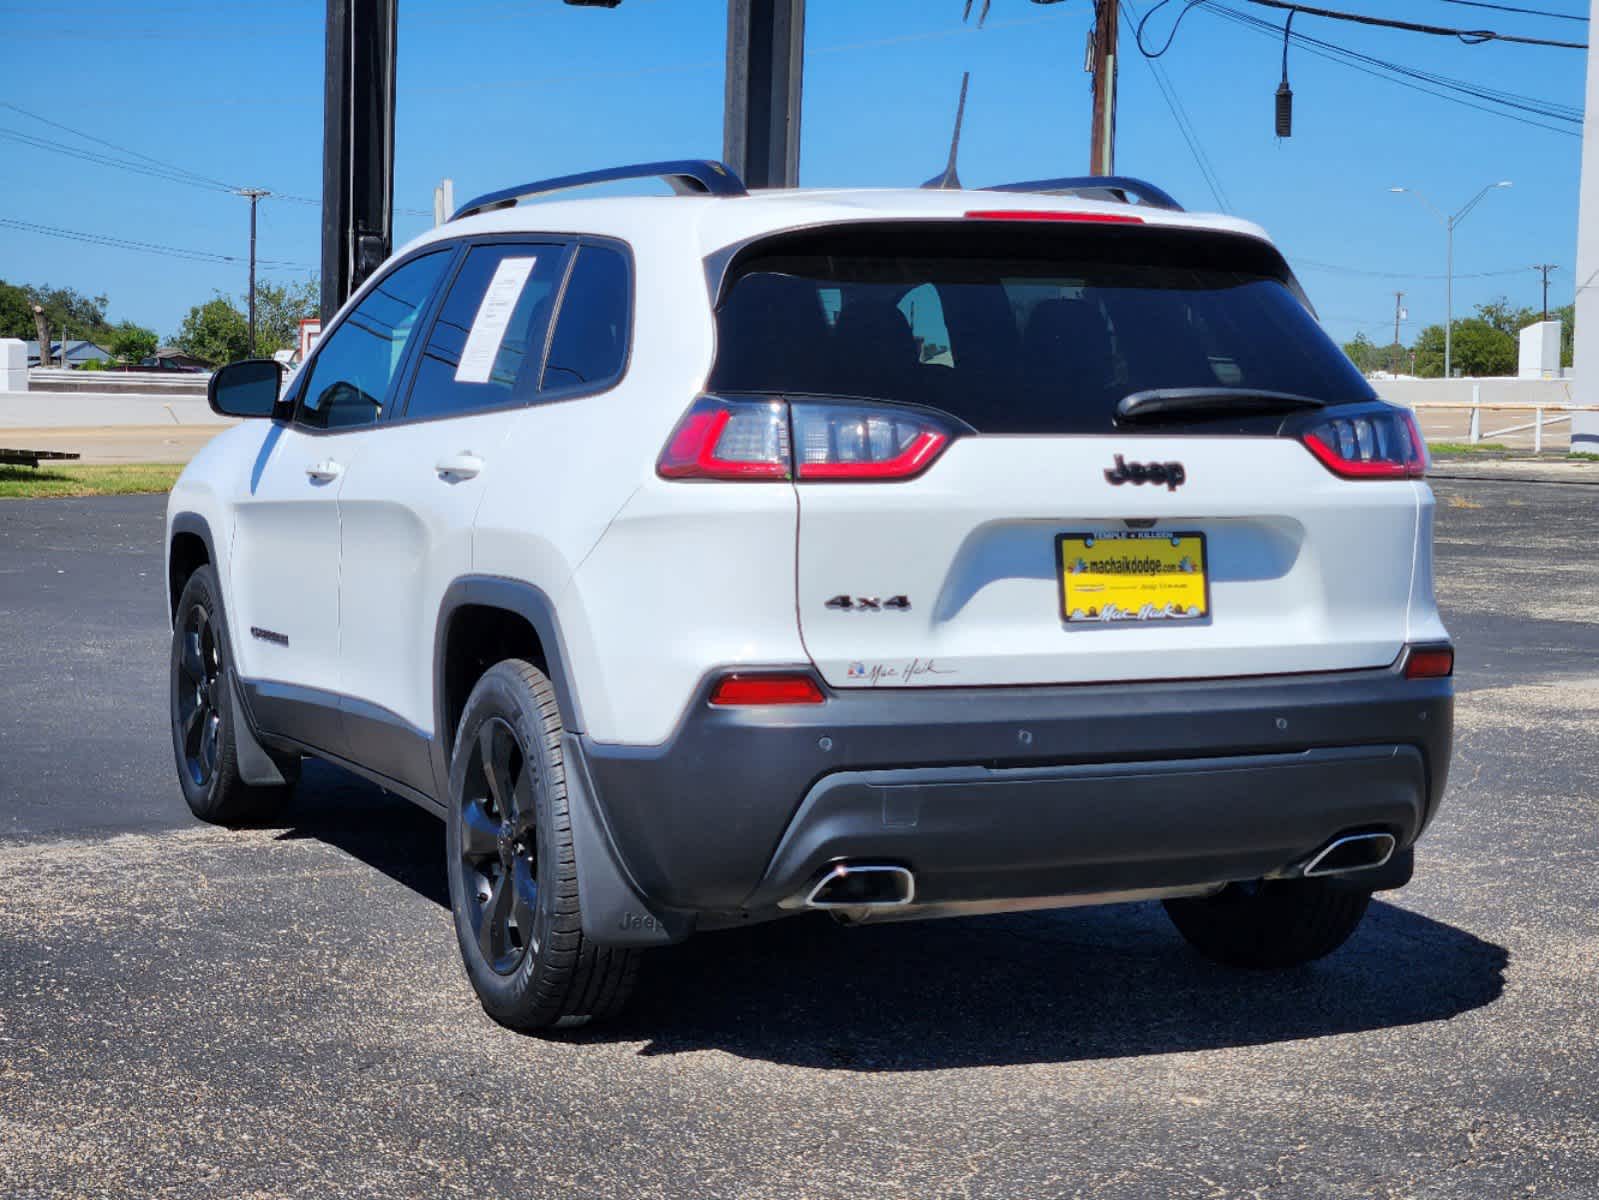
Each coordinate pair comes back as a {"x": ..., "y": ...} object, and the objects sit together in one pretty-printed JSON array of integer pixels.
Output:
[{"x": 493, "y": 315}]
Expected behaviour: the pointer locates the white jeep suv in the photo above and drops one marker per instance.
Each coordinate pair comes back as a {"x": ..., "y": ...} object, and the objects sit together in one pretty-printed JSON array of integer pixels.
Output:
[{"x": 706, "y": 558}]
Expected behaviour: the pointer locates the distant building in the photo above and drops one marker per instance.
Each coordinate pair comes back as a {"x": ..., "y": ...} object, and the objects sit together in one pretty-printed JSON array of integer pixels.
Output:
[
  {"x": 170, "y": 358},
  {"x": 78, "y": 353}
]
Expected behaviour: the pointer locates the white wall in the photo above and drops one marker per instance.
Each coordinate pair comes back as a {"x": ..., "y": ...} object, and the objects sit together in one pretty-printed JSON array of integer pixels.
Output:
[
  {"x": 92, "y": 410},
  {"x": 1587, "y": 332}
]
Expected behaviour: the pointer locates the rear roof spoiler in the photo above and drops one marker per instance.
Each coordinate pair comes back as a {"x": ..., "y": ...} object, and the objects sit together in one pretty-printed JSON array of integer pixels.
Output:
[
  {"x": 1121, "y": 189},
  {"x": 687, "y": 177}
]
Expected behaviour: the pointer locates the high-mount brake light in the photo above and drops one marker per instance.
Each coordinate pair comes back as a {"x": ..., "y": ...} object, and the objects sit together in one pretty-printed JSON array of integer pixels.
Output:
[
  {"x": 1374, "y": 445},
  {"x": 796, "y": 688},
  {"x": 1430, "y": 662},
  {"x": 1037, "y": 214},
  {"x": 842, "y": 441}
]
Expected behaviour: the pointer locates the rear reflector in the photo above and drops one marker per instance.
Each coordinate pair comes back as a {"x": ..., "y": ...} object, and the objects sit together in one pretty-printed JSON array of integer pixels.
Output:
[
  {"x": 1430, "y": 662},
  {"x": 766, "y": 689},
  {"x": 721, "y": 438},
  {"x": 1373, "y": 445},
  {"x": 1081, "y": 218}
]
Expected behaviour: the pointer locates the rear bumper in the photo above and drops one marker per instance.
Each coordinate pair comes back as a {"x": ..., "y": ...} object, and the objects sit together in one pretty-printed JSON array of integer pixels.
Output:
[{"x": 1020, "y": 792}]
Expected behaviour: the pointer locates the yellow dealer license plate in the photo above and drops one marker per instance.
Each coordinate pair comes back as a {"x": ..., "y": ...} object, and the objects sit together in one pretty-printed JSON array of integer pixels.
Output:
[{"x": 1132, "y": 577}]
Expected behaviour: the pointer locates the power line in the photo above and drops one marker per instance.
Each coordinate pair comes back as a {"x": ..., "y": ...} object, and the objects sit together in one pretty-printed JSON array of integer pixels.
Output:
[
  {"x": 1184, "y": 123},
  {"x": 1413, "y": 79},
  {"x": 1339, "y": 269},
  {"x": 1472, "y": 37},
  {"x": 17, "y": 108},
  {"x": 1511, "y": 8},
  {"x": 120, "y": 243}
]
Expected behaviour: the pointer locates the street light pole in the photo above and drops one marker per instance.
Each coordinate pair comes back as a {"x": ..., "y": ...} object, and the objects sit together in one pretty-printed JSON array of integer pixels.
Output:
[
  {"x": 254, "y": 195},
  {"x": 1450, "y": 220}
]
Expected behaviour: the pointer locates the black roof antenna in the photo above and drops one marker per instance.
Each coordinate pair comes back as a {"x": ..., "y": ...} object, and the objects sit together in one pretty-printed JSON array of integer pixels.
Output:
[{"x": 949, "y": 179}]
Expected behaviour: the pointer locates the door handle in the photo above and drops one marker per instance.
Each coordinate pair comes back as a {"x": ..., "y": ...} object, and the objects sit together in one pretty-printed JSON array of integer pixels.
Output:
[
  {"x": 464, "y": 465},
  {"x": 325, "y": 471}
]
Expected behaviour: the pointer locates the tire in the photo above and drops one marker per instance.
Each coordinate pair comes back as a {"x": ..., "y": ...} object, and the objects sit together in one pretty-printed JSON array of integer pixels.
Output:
[
  {"x": 1275, "y": 923},
  {"x": 202, "y": 713},
  {"x": 511, "y": 865}
]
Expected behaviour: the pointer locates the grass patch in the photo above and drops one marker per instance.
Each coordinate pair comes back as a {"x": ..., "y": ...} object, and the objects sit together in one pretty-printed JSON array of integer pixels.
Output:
[
  {"x": 1465, "y": 447},
  {"x": 1583, "y": 456},
  {"x": 30, "y": 483}
]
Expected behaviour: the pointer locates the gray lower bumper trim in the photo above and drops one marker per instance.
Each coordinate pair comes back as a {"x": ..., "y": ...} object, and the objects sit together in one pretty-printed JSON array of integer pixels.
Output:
[{"x": 977, "y": 833}]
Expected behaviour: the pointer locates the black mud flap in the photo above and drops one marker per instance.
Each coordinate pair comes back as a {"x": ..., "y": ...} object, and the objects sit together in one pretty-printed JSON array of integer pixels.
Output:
[
  {"x": 614, "y": 913},
  {"x": 258, "y": 766}
]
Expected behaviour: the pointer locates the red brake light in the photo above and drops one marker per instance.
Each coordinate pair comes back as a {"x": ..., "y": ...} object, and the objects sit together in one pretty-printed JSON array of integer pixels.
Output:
[
  {"x": 1374, "y": 445},
  {"x": 1027, "y": 214},
  {"x": 1430, "y": 662},
  {"x": 766, "y": 689},
  {"x": 805, "y": 440},
  {"x": 718, "y": 439}
]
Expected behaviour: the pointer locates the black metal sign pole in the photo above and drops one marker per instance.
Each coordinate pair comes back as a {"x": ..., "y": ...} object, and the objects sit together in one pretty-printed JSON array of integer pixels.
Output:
[
  {"x": 357, "y": 145},
  {"x": 765, "y": 65},
  {"x": 761, "y": 124}
]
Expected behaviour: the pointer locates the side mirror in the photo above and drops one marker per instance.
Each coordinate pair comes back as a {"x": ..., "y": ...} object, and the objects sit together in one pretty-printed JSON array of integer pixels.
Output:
[{"x": 248, "y": 388}]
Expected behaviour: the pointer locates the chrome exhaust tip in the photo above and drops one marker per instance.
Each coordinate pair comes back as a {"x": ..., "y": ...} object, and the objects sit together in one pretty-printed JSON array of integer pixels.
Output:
[
  {"x": 864, "y": 886},
  {"x": 1351, "y": 852}
]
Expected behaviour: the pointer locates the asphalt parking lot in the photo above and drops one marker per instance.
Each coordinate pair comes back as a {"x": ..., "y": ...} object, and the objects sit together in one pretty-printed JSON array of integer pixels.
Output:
[{"x": 187, "y": 1011}]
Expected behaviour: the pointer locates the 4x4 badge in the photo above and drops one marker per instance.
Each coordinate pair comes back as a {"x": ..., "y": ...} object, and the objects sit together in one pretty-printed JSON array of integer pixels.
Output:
[{"x": 1171, "y": 474}]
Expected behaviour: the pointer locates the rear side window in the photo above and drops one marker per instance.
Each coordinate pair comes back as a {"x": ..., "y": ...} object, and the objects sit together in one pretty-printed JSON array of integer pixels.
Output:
[
  {"x": 487, "y": 342},
  {"x": 1044, "y": 335},
  {"x": 356, "y": 363},
  {"x": 589, "y": 347}
]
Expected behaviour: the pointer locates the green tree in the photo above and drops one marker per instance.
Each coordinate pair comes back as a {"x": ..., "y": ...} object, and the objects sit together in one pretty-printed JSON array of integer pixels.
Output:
[
  {"x": 133, "y": 343},
  {"x": 1505, "y": 318},
  {"x": 1567, "y": 316},
  {"x": 16, "y": 312},
  {"x": 1480, "y": 349},
  {"x": 279, "y": 309},
  {"x": 1362, "y": 353},
  {"x": 215, "y": 332},
  {"x": 79, "y": 315}
]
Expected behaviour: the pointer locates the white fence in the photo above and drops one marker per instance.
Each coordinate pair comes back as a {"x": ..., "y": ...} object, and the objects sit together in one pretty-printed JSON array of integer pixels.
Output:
[{"x": 1549, "y": 403}]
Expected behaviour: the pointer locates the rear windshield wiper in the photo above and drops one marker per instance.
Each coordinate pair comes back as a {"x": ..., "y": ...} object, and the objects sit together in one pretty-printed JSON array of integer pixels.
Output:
[{"x": 1159, "y": 404}]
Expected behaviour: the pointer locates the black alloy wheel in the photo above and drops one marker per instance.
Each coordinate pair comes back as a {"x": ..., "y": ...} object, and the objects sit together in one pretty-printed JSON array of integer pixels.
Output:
[
  {"x": 512, "y": 862},
  {"x": 199, "y": 694},
  {"x": 204, "y": 738},
  {"x": 499, "y": 847}
]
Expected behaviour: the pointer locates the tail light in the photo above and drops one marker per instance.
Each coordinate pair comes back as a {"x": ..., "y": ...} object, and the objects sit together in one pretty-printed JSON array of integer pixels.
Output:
[
  {"x": 1371, "y": 445},
  {"x": 796, "y": 688},
  {"x": 1430, "y": 662},
  {"x": 805, "y": 440}
]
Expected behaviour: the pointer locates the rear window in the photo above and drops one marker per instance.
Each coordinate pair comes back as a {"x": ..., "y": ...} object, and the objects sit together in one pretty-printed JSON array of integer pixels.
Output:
[{"x": 1039, "y": 334}]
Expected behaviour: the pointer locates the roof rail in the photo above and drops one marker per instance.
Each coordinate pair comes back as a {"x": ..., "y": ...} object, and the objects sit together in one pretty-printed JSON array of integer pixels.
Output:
[
  {"x": 1121, "y": 188},
  {"x": 687, "y": 177}
]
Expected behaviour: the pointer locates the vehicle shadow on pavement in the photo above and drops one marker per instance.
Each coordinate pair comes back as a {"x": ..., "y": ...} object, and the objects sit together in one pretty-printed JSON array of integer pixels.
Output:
[{"x": 1089, "y": 983}]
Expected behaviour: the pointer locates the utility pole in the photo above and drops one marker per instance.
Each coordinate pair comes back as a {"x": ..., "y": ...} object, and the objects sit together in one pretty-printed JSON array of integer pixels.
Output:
[
  {"x": 1399, "y": 315},
  {"x": 254, "y": 195},
  {"x": 1102, "y": 65},
  {"x": 1545, "y": 268}
]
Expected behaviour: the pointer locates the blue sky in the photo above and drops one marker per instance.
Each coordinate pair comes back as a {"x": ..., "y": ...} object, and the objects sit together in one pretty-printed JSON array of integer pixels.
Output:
[{"x": 493, "y": 93}]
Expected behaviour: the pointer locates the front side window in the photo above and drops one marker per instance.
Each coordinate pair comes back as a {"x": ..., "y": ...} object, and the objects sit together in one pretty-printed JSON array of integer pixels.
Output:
[
  {"x": 589, "y": 347},
  {"x": 485, "y": 348},
  {"x": 357, "y": 362}
]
